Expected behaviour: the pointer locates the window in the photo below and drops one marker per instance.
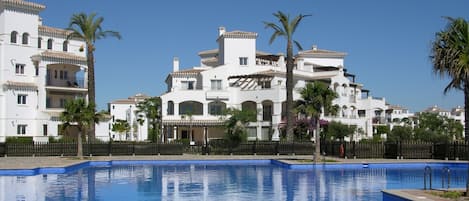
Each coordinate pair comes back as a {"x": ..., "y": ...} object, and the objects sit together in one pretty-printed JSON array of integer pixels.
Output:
[
  {"x": 36, "y": 68},
  {"x": 44, "y": 129},
  {"x": 170, "y": 108},
  {"x": 65, "y": 46},
  {"x": 13, "y": 36},
  {"x": 49, "y": 44},
  {"x": 216, "y": 108},
  {"x": 55, "y": 74},
  {"x": 61, "y": 75},
  {"x": 21, "y": 99},
  {"x": 39, "y": 42},
  {"x": 21, "y": 129},
  {"x": 243, "y": 61},
  {"x": 216, "y": 84},
  {"x": 25, "y": 38},
  {"x": 191, "y": 108},
  {"x": 62, "y": 102},
  {"x": 65, "y": 75},
  {"x": 265, "y": 84},
  {"x": 19, "y": 69},
  {"x": 188, "y": 85}
]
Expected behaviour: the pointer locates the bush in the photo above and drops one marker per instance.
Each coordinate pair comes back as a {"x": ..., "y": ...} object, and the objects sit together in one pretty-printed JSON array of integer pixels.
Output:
[{"x": 20, "y": 140}]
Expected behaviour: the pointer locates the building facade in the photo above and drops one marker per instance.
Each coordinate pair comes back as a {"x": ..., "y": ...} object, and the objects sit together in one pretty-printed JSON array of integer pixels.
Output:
[
  {"x": 126, "y": 109},
  {"x": 40, "y": 70},
  {"x": 237, "y": 75}
]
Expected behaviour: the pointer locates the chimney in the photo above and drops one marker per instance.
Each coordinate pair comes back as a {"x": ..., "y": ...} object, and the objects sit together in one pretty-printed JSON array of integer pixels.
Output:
[
  {"x": 315, "y": 47},
  {"x": 221, "y": 31},
  {"x": 281, "y": 60},
  {"x": 175, "y": 64}
]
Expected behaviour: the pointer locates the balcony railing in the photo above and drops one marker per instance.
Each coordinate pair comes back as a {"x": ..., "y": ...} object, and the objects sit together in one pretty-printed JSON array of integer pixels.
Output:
[{"x": 73, "y": 83}]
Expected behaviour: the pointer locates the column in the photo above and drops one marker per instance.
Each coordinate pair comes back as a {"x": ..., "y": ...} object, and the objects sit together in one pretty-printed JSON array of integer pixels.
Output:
[
  {"x": 259, "y": 120},
  {"x": 175, "y": 133},
  {"x": 276, "y": 120},
  {"x": 205, "y": 135}
]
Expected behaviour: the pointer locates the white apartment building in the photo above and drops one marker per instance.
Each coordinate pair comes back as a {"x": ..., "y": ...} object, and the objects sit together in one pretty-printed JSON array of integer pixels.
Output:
[
  {"x": 126, "y": 109},
  {"x": 237, "y": 75},
  {"x": 40, "y": 70},
  {"x": 456, "y": 113}
]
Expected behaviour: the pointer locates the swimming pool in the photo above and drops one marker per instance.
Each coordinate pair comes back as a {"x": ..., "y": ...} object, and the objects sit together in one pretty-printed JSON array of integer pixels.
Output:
[{"x": 219, "y": 180}]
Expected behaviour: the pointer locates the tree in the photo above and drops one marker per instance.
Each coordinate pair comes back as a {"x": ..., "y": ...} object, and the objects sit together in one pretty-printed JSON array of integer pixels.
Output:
[
  {"x": 432, "y": 127},
  {"x": 316, "y": 98},
  {"x": 286, "y": 29},
  {"x": 450, "y": 57},
  {"x": 82, "y": 115},
  {"x": 235, "y": 131},
  {"x": 121, "y": 127},
  {"x": 151, "y": 110},
  {"x": 337, "y": 130},
  {"x": 88, "y": 28},
  {"x": 399, "y": 133}
]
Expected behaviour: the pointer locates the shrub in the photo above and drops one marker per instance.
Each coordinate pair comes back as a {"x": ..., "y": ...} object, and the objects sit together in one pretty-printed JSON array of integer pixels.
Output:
[{"x": 21, "y": 140}]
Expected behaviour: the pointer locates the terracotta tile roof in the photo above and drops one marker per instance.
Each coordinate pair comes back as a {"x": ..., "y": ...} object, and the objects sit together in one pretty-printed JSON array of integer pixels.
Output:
[
  {"x": 26, "y": 4},
  {"x": 53, "y": 30},
  {"x": 238, "y": 34},
  {"x": 194, "y": 122},
  {"x": 123, "y": 101},
  {"x": 21, "y": 84},
  {"x": 322, "y": 52},
  {"x": 188, "y": 72},
  {"x": 62, "y": 55}
]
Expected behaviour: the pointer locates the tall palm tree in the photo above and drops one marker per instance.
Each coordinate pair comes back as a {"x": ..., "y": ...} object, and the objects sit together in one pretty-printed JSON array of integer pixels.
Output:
[
  {"x": 88, "y": 28},
  {"x": 316, "y": 99},
  {"x": 286, "y": 29},
  {"x": 82, "y": 115},
  {"x": 151, "y": 108},
  {"x": 450, "y": 57}
]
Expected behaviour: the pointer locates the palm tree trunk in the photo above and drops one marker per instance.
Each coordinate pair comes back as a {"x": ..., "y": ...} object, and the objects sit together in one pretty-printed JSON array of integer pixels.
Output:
[
  {"x": 289, "y": 85},
  {"x": 79, "y": 146},
  {"x": 317, "y": 140},
  {"x": 466, "y": 127},
  {"x": 91, "y": 82}
]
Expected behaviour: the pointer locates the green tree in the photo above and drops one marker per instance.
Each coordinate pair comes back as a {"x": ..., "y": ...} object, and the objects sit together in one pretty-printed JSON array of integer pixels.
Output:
[
  {"x": 121, "y": 127},
  {"x": 338, "y": 131},
  {"x": 400, "y": 133},
  {"x": 151, "y": 110},
  {"x": 82, "y": 115},
  {"x": 432, "y": 127},
  {"x": 316, "y": 99},
  {"x": 88, "y": 28},
  {"x": 450, "y": 57},
  {"x": 235, "y": 125},
  {"x": 286, "y": 29}
]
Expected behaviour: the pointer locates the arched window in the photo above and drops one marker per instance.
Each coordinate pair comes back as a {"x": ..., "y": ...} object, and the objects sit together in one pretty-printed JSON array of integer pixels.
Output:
[
  {"x": 170, "y": 108},
  {"x": 216, "y": 108},
  {"x": 25, "y": 38},
  {"x": 191, "y": 108},
  {"x": 248, "y": 106},
  {"x": 13, "y": 36},
  {"x": 39, "y": 42},
  {"x": 65, "y": 46},
  {"x": 49, "y": 44}
]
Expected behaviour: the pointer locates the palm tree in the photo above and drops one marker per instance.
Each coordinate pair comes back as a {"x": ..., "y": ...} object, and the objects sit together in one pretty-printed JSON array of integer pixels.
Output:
[
  {"x": 121, "y": 127},
  {"x": 88, "y": 28},
  {"x": 450, "y": 57},
  {"x": 316, "y": 99},
  {"x": 82, "y": 115},
  {"x": 286, "y": 29},
  {"x": 151, "y": 108}
]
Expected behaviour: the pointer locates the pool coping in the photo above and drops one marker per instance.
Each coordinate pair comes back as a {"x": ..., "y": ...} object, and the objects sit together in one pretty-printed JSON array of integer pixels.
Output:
[
  {"x": 289, "y": 163},
  {"x": 415, "y": 194}
]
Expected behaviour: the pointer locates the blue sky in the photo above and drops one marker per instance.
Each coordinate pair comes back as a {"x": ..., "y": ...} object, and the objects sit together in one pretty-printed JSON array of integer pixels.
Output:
[{"x": 388, "y": 42}]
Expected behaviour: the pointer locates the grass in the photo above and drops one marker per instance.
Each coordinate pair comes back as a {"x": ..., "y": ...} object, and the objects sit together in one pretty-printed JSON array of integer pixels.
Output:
[{"x": 453, "y": 195}]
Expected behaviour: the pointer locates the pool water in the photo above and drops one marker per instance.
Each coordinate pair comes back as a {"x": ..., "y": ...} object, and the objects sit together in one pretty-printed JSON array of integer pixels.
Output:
[{"x": 223, "y": 181}]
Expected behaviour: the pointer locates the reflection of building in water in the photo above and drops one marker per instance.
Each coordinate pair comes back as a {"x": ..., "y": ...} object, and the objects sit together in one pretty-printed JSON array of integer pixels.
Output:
[{"x": 212, "y": 182}]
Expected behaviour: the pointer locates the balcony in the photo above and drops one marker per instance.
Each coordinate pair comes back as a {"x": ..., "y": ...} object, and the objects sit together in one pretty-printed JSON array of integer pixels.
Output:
[{"x": 77, "y": 85}]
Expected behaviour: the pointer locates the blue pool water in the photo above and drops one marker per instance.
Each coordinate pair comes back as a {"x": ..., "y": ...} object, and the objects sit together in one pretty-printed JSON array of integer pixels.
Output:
[{"x": 218, "y": 180}]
